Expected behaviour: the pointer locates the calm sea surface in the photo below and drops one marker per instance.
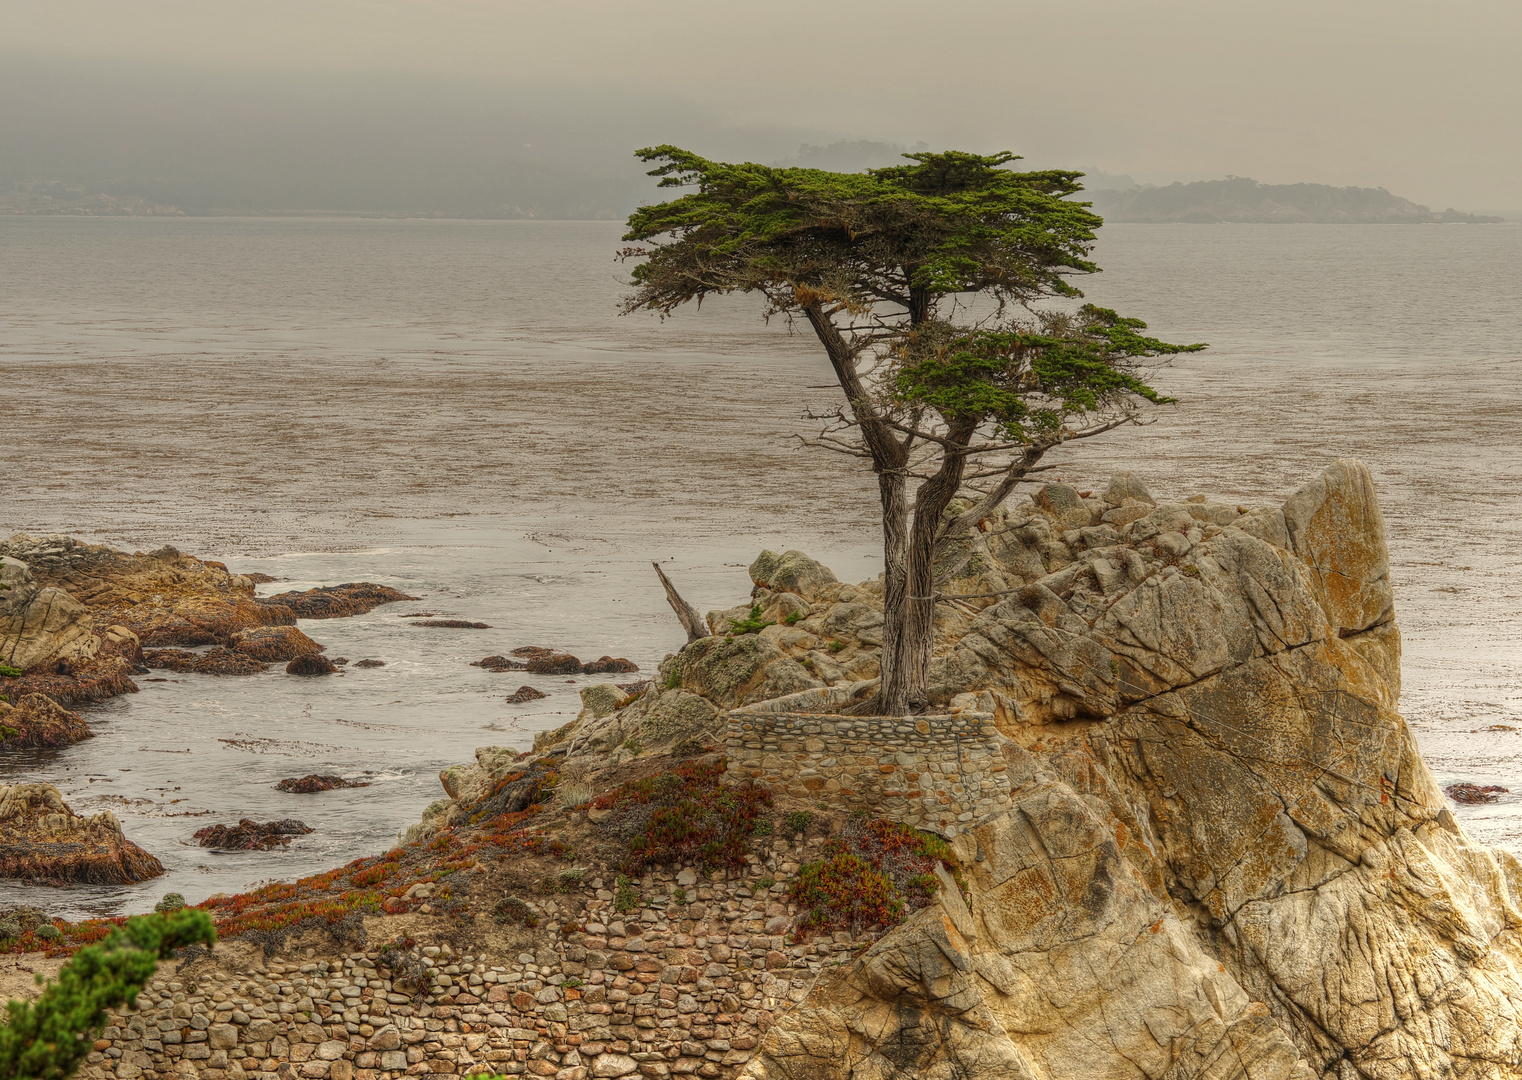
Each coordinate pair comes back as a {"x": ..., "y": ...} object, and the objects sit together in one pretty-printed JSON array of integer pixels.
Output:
[{"x": 455, "y": 408}]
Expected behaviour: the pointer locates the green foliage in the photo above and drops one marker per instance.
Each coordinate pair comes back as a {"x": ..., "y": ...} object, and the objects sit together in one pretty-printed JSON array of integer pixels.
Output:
[
  {"x": 7, "y": 733},
  {"x": 753, "y": 624},
  {"x": 1029, "y": 379},
  {"x": 171, "y": 901},
  {"x": 679, "y": 895},
  {"x": 837, "y": 646},
  {"x": 766, "y": 882},
  {"x": 46, "y": 1039},
  {"x": 625, "y": 898},
  {"x": 798, "y": 820},
  {"x": 10, "y": 672},
  {"x": 764, "y": 827},
  {"x": 947, "y": 223}
]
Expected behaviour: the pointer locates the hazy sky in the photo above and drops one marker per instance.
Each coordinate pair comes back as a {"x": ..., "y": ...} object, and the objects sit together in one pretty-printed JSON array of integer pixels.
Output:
[{"x": 1422, "y": 98}]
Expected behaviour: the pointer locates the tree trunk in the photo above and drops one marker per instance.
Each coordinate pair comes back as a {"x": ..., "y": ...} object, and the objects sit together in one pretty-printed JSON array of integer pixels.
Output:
[{"x": 893, "y": 694}]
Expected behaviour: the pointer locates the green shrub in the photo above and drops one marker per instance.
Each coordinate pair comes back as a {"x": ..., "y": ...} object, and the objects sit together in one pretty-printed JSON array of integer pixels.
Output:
[
  {"x": 47, "y": 932},
  {"x": 764, "y": 826},
  {"x": 625, "y": 898},
  {"x": 679, "y": 895},
  {"x": 838, "y": 646},
  {"x": 172, "y": 901},
  {"x": 765, "y": 883},
  {"x": 10, "y": 672},
  {"x": 688, "y": 747},
  {"x": 46, "y": 1039},
  {"x": 753, "y": 624},
  {"x": 794, "y": 619},
  {"x": 798, "y": 821}
]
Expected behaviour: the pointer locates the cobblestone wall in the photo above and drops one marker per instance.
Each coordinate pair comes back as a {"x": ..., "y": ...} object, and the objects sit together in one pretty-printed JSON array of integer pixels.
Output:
[
  {"x": 932, "y": 772},
  {"x": 684, "y": 984}
]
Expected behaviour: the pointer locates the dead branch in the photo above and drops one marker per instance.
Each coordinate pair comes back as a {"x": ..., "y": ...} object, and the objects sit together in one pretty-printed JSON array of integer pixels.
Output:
[{"x": 686, "y": 614}]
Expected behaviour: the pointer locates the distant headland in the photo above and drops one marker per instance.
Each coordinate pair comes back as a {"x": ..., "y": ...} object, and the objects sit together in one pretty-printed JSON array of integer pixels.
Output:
[{"x": 1240, "y": 199}]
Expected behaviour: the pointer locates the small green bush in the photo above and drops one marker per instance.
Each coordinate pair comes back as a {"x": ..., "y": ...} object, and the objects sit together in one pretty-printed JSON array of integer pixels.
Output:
[
  {"x": 838, "y": 646},
  {"x": 10, "y": 672},
  {"x": 794, "y": 619},
  {"x": 754, "y": 624},
  {"x": 625, "y": 898},
  {"x": 172, "y": 901},
  {"x": 47, "y": 932},
  {"x": 765, "y": 883},
  {"x": 798, "y": 821},
  {"x": 47, "y": 1038},
  {"x": 764, "y": 827},
  {"x": 679, "y": 896}
]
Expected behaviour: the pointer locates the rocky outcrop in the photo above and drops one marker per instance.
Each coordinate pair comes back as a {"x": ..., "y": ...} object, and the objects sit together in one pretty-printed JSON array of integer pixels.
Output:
[
  {"x": 336, "y": 601},
  {"x": 41, "y": 839},
  {"x": 310, "y": 664},
  {"x": 315, "y": 782},
  {"x": 38, "y": 623},
  {"x": 274, "y": 643},
  {"x": 249, "y": 835},
  {"x": 1225, "y": 856},
  {"x": 38, "y": 721}
]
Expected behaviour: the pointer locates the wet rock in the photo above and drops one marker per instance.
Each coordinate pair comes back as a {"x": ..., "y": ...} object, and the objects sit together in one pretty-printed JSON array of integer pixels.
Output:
[
  {"x": 38, "y": 721},
  {"x": 608, "y": 665},
  {"x": 525, "y": 693},
  {"x": 499, "y": 663},
  {"x": 336, "y": 601},
  {"x": 314, "y": 782},
  {"x": 274, "y": 643},
  {"x": 82, "y": 682},
  {"x": 554, "y": 664},
  {"x": 260, "y": 579},
  {"x": 250, "y": 835},
  {"x": 454, "y": 624},
  {"x": 529, "y": 652},
  {"x": 1473, "y": 794},
  {"x": 310, "y": 664},
  {"x": 41, "y": 839},
  {"x": 369, "y": 663},
  {"x": 217, "y": 661}
]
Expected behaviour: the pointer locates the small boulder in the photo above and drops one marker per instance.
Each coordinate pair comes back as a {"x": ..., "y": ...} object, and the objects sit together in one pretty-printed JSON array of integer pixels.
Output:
[
  {"x": 499, "y": 663},
  {"x": 336, "y": 601},
  {"x": 525, "y": 693},
  {"x": 555, "y": 664},
  {"x": 1063, "y": 503},
  {"x": 602, "y": 699},
  {"x": 1125, "y": 487},
  {"x": 310, "y": 664},
  {"x": 792, "y": 572},
  {"x": 314, "y": 782},
  {"x": 217, "y": 661},
  {"x": 608, "y": 665},
  {"x": 369, "y": 663},
  {"x": 38, "y": 721},
  {"x": 250, "y": 835},
  {"x": 453, "y": 624},
  {"x": 272, "y": 643}
]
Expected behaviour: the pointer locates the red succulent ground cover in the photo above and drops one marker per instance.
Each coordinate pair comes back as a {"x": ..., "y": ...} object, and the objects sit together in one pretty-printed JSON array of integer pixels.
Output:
[
  {"x": 873, "y": 874},
  {"x": 685, "y": 815}
]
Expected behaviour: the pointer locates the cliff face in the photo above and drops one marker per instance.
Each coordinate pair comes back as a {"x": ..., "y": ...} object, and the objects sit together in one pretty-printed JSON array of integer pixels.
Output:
[{"x": 1223, "y": 856}]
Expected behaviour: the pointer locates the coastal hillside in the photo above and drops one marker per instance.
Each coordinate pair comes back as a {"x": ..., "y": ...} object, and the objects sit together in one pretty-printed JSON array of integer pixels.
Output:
[{"x": 1241, "y": 199}]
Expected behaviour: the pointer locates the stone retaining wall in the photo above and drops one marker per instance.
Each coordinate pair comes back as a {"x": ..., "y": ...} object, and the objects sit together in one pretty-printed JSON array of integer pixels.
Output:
[
  {"x": 684, "y": 984},
  {"x": 933, "y": 772}
]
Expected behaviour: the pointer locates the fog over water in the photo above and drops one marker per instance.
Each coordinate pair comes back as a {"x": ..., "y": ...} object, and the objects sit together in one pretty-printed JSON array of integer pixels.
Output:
[
  {"x": 512, "y": 107},
  {"x": 455, "y": 408}
]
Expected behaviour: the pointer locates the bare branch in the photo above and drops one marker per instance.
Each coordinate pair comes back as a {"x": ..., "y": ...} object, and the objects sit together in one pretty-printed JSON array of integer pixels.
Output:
[{"x": 686, "y": 614}]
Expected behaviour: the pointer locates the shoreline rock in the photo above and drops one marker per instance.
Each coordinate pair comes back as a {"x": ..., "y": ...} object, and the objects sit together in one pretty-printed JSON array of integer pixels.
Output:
[
  {"x": 39, "y": 721},
  {"x": 41, "y": 839},
  {"x": 315, "y": 782},
  {"x": 249, "y": 835}
]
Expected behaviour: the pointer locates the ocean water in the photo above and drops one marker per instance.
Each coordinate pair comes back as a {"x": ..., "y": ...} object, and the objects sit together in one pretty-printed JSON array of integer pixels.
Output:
[{"x": 456, "y": 408}]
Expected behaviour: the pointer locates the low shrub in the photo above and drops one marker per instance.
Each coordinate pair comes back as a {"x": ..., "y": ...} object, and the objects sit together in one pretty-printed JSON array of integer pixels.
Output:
[
  {"x": 685, "y": 815},
  {"x": 872, "y": 874},
  {"x": 753, "y": 624},
  {"x": 798, "y": 821}
]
